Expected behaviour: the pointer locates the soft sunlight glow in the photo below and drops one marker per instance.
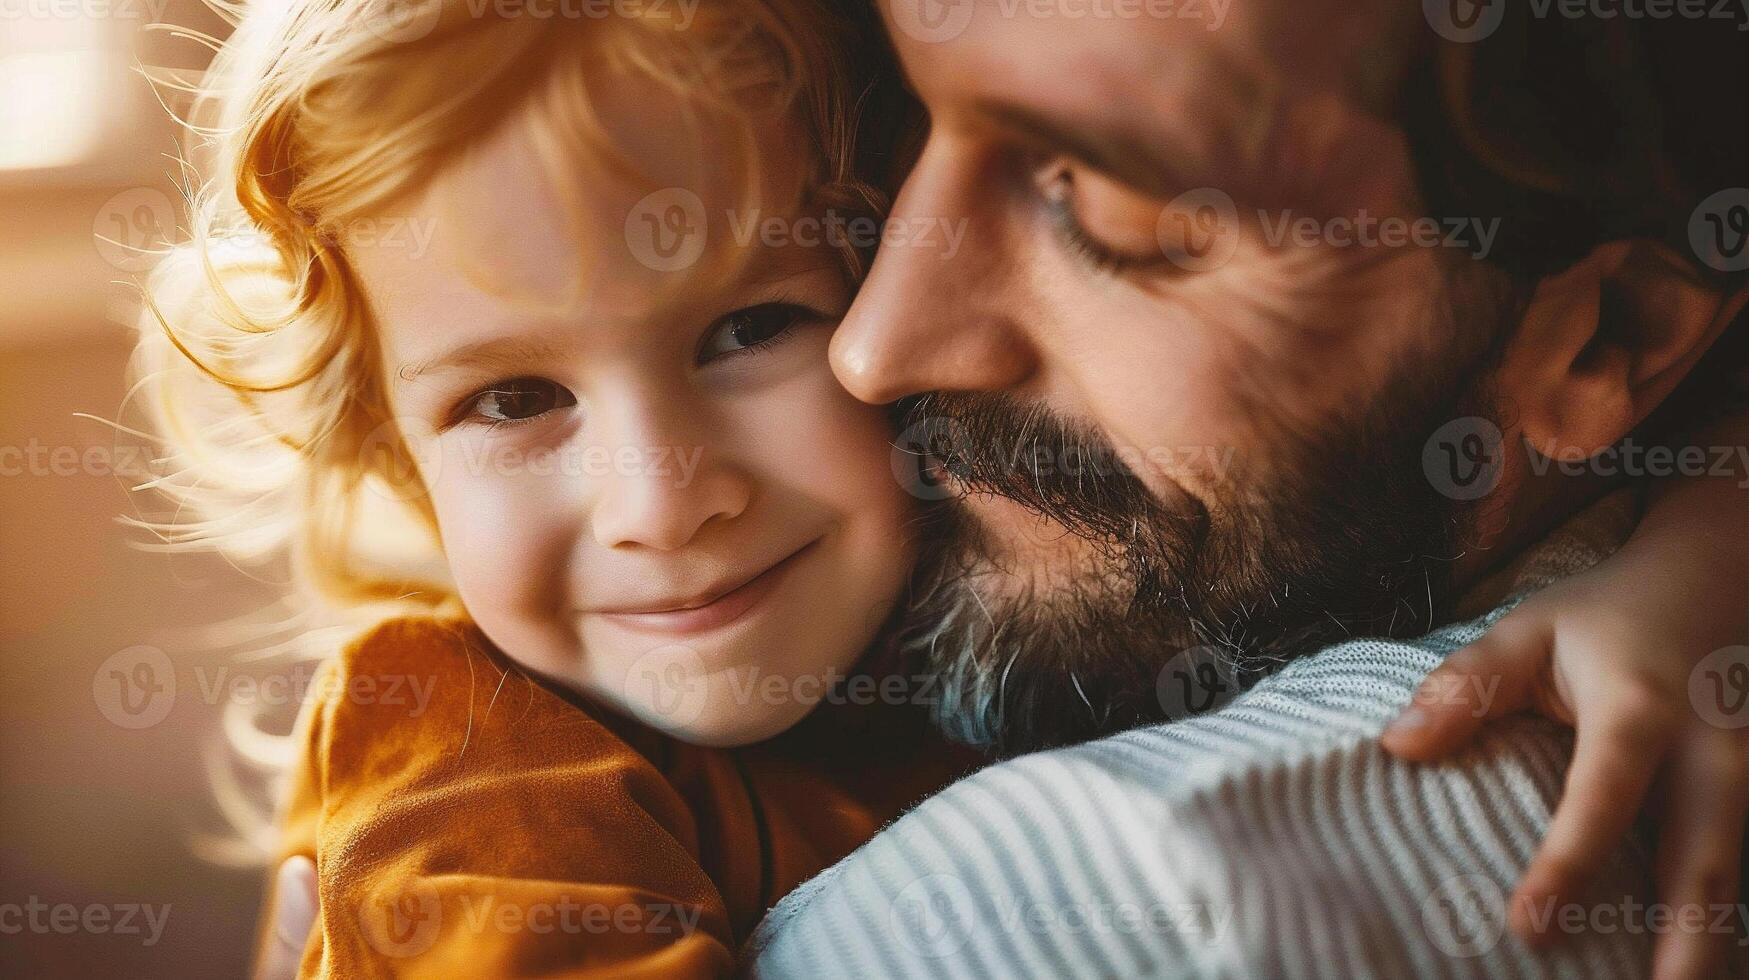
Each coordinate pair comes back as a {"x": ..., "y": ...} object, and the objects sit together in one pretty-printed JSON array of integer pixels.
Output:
[{"x": 51, "y": 108}]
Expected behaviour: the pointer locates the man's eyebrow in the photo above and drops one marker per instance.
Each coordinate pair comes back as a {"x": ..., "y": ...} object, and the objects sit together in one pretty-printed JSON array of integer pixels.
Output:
[
  {"x": 1124, "y": 155},
  {"x": 492, "y": 352}
]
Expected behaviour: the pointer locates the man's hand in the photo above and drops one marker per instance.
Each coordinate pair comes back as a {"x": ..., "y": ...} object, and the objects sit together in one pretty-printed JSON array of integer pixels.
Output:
[{"x": 294, "y": 915}]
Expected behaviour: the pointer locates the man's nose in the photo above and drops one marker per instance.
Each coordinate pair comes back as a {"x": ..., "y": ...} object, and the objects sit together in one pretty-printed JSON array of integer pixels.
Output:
[
  {"x": 932, "y": 314},
  {"x": 662, "y": 486}
]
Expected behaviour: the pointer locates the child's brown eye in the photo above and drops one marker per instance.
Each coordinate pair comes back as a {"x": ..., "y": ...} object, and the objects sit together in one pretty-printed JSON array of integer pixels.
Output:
[
  {"x": 755, "y": 326},
  {"x": 520, "y": 399}
]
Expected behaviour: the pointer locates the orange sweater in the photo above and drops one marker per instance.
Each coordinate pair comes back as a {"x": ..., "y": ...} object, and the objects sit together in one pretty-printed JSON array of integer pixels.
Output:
[{"x": 499, "y": 829}]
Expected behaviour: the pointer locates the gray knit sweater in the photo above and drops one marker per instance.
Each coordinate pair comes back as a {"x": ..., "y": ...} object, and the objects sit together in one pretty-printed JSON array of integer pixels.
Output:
[{"x": 1271, "y": 838}]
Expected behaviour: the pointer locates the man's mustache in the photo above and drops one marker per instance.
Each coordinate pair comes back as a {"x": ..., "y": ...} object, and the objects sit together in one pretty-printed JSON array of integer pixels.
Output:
[
  {"x": 1063, "y": 470},
  {"x": 1027, "y": 453}
]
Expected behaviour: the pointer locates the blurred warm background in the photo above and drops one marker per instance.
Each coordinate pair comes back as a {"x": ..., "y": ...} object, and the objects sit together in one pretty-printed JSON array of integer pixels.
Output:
[{"x": 103, "y": 785}]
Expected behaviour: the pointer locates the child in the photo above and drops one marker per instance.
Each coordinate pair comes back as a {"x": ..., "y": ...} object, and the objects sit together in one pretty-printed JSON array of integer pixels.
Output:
[
  {"x": 605, "y": 247},
  {"x": 502, "y": 292}
]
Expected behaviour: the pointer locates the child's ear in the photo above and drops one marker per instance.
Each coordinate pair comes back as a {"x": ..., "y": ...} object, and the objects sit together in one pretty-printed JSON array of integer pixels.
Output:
[{"x": 1603, "y": 342}]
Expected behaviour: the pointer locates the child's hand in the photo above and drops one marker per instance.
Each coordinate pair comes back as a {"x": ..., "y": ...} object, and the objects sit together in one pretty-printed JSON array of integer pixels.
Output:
[
  {"x": 1611, "y": 652},
  {"x": 294, "y": 918}
]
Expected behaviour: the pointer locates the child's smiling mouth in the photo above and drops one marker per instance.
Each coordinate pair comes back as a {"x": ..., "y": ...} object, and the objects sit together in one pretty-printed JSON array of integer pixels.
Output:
[{"x": 711, "y": 609}]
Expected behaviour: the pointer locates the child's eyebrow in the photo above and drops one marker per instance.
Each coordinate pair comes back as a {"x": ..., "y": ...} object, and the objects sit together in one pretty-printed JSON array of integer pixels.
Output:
[{"x": 490, "y": 352}]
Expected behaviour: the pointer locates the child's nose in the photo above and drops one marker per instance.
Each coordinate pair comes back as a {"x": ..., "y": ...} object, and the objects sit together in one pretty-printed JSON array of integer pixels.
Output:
[{"x": 663, "y": 504}]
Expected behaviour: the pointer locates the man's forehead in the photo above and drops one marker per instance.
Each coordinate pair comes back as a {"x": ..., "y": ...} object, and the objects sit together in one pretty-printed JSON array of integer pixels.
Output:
[{"x": 1181, "y": 56}]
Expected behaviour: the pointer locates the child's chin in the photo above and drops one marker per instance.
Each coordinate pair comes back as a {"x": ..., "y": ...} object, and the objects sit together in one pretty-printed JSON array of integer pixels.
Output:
[{"x": 734, "y": 728}]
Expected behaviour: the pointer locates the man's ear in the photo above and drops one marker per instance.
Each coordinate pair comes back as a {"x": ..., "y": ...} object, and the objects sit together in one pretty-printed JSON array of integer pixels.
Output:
[{"x": 1603, "y": 342}]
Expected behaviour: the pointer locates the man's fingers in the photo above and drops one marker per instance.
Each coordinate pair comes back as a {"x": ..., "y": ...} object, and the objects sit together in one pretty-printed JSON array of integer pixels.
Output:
[
  {"x": 1490, "y": 677},
  {"x": 1698, "y": 850},
  {"x": 1615, "y": 757},
  {"x": 294, "y": 915}
]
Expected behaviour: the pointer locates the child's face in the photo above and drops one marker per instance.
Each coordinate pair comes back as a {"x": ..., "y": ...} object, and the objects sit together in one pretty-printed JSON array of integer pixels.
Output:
[{"x": 658, "y": 496}]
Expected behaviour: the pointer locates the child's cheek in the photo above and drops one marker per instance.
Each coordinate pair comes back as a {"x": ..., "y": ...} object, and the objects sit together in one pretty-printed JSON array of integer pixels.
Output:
[
  {"x": 508, "y": 536},
  {"x": 799, "y": 428},
  {"x": 819, "y": 449},
  {"x": 851, "y": 453}
]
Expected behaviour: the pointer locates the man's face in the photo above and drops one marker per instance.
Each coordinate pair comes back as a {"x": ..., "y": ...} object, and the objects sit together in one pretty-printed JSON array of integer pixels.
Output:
[{"x": 1177, "y": 413}]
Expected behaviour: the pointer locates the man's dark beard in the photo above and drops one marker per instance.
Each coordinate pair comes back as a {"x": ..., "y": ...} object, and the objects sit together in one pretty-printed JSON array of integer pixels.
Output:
[{"x": 1352, "y": 541}]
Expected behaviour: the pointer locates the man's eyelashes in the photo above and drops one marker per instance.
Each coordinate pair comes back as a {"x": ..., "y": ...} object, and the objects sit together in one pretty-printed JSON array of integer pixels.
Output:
[
  {"x": 1081, "y": 243},
  {"x": 1060, "y": 193},
  {"x": 1115, "y": 228}
]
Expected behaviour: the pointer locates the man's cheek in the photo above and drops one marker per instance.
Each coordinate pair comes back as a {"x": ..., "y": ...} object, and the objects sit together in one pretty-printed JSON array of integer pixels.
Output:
[
  {"x": 1315, "y": 350},
  {"x": 1177, "y": 452},
  {"x": 1158, "y": 382}
]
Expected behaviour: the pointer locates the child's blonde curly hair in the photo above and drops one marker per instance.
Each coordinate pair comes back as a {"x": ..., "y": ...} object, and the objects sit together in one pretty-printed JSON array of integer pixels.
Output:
[{"x": 257, "y": 362}]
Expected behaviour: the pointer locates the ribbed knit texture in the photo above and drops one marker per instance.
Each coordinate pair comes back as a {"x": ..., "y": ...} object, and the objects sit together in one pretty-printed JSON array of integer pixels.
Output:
[{"x": 1271, "y": 838}]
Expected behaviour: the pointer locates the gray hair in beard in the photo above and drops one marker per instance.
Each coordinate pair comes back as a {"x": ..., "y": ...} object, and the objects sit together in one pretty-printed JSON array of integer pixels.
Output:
[{"x": 1350, "y": 540}]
